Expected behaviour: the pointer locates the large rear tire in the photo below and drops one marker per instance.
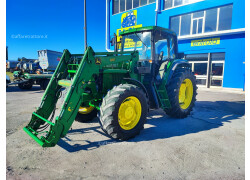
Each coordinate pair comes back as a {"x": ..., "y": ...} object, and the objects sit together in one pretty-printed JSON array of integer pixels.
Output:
[
  {"x": 86, "y": 114},
  {"x": 123, "y": 111},
  {"x": 182, "y": 91}
]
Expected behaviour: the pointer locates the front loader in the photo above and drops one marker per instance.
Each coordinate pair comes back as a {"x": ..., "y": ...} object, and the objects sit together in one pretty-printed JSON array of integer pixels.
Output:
[{"x": 146, "y": 72}]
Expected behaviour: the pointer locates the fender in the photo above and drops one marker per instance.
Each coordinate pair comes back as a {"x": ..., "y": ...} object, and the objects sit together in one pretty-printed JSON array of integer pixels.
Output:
[
  {"x": 175, "y": 65},
  {"x": 137, "y": 83}
]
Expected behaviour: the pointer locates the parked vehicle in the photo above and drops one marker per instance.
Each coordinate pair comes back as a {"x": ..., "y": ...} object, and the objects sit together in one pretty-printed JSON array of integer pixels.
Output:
[
  {"x": 37, "y": 72},
  {"x": 7, "y": 80},
  {"x": 11, "y": 66}
]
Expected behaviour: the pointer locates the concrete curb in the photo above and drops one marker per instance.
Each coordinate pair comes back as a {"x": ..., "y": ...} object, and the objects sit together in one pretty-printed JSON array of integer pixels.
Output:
[{"x": 228, "y": 90}]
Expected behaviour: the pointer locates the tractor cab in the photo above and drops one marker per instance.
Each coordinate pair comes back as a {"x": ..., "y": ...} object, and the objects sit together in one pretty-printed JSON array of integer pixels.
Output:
[
  {"x": 156, "y": 47},
  {"x": 153, "y": 43}
]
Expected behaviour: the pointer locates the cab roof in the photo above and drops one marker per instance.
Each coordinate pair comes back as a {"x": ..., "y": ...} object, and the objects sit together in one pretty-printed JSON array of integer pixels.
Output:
[{"x": 147, "y": 28}]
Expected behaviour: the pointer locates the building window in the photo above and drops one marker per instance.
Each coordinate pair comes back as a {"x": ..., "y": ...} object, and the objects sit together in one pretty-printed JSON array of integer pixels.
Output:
[
  {"x": 175, "y": 24},
  {"x": 143, "y": 2},
  {"x": 178, "y": 2},
  {"x": 197, "y": 22},
  {"x": 115, "y": 6},
  {"x": 122, "y": 5},
  {"x": 185, "y": 24},
  {"x": 174, "y": 3},
  {"x": 128, "y": 4},
  {"x": 136, "y": 3},
  {"x": 208, "y": 68},
  {"x": 211, "y": 20},
  {"x": 125, "y": 5},
  {"x": 168, "y": 4},
  {"x": 225, "y": 19},
  {"x": 199, "y": 64}
]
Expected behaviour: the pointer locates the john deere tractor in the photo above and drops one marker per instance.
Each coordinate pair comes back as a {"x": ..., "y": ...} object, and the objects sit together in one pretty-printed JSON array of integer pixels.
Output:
[{"x": 145, "y": 72}]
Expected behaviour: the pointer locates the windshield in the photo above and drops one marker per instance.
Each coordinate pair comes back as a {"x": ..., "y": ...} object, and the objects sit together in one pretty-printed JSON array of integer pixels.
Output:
[{"x": 138, "y": 41}]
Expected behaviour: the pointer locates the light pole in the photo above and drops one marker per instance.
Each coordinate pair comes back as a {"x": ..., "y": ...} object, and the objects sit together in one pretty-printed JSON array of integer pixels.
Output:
[
  {"x": 157, "y": 10},
  {"x": 85, "y": 26}
]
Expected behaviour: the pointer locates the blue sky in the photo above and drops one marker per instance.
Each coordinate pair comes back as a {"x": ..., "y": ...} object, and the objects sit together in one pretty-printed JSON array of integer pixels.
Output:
[{"x": 59, "y": 21}]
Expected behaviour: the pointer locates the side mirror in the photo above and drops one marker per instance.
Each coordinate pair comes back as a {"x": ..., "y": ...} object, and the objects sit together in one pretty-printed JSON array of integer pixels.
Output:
[
  {"x": 161, "y": 56},
  {"x": 113, "y": 40},
  {"x": 181, "y": 55}
]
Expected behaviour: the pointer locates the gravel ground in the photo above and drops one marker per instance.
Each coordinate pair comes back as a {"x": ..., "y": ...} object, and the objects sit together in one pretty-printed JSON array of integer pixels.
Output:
[{"x": 209, "y": 144}]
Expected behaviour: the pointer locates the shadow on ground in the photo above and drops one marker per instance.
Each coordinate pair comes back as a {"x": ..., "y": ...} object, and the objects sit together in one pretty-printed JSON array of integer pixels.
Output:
[
  {"x": 15, "y": 88},
  {"x": 206, "y": 116}
]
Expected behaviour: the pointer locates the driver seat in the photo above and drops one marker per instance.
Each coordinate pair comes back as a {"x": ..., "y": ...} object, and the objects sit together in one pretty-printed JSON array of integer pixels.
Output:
[
  {"x": 162, "y": 69},
  {"x": 161, "y": 73}
]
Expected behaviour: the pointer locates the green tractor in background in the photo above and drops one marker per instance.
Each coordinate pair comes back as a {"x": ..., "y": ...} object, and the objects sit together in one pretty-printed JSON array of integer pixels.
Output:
[{"x": 120, "y": 86}]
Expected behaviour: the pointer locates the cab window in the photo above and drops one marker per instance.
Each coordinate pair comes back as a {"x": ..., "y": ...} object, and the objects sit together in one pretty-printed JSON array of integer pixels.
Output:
[
  {"x": 172, "y": 48},
  {"x": 161, "y": 46},
  {"x": 138, "y": 41}
]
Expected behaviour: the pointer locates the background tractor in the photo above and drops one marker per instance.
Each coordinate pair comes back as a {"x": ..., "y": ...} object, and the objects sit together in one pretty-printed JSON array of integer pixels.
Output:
[
  {"x": 36, "y": 71},
  {"x": 145, "y": 72}
]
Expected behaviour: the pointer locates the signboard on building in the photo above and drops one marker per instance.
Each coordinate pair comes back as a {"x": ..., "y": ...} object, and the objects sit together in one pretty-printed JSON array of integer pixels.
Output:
[
  {"x": 128, "y": 21},
  {"x": 205, "y": 42}
]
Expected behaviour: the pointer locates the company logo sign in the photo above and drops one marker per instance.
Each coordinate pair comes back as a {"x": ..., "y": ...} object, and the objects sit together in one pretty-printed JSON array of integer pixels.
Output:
[
  {"x": 128, "y": 21},
  {"x": 205, "y": 42}
]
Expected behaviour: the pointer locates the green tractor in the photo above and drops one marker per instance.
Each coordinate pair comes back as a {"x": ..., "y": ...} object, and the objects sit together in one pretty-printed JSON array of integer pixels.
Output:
[{"x": 120, "y": 87}]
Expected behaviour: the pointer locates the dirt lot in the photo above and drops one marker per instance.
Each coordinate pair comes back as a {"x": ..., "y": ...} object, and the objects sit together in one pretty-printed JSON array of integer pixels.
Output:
[{"x": 209, "y": 144}]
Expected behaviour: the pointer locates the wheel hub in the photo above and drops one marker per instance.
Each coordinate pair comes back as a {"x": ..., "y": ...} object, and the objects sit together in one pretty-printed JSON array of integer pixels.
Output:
[
  {"x": 129, "y": 113},
  {"x": 86, "y": 110},
  {"x": 185, "y": 93}
]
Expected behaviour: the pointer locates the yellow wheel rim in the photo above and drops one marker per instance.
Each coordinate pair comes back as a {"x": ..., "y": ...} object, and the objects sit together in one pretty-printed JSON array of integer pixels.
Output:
[
  {"x": 86, "y": 110},
  {"x": 129, "y": 113},
  {"x": 186, "y": 93}
]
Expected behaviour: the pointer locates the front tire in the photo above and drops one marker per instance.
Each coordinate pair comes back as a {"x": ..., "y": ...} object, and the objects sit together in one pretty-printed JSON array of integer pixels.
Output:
[
  {"x": 182, "y": 91},
  {"x": 123, "y": 111}
]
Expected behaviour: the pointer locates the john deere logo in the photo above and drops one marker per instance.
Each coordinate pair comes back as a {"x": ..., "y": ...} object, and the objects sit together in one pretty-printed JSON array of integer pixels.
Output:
[{"x": 98, "y": 61}]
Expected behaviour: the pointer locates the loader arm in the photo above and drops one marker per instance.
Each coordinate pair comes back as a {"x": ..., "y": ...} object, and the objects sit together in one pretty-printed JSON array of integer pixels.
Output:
[{"x": 90, "y": 64}]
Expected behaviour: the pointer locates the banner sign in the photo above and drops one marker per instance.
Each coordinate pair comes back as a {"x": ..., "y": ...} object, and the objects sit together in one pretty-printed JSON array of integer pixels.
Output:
[
  {"x": 205, "y": 42},
  {"x": 128, "y": 21}
]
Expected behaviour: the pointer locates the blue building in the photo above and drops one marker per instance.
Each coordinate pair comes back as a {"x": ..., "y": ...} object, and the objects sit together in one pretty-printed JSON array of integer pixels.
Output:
[{"x": 211, "y": 33}]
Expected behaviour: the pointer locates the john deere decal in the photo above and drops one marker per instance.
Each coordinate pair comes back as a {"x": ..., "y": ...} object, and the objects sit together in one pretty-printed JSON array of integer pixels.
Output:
[{"x": 98, "y": 61}]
